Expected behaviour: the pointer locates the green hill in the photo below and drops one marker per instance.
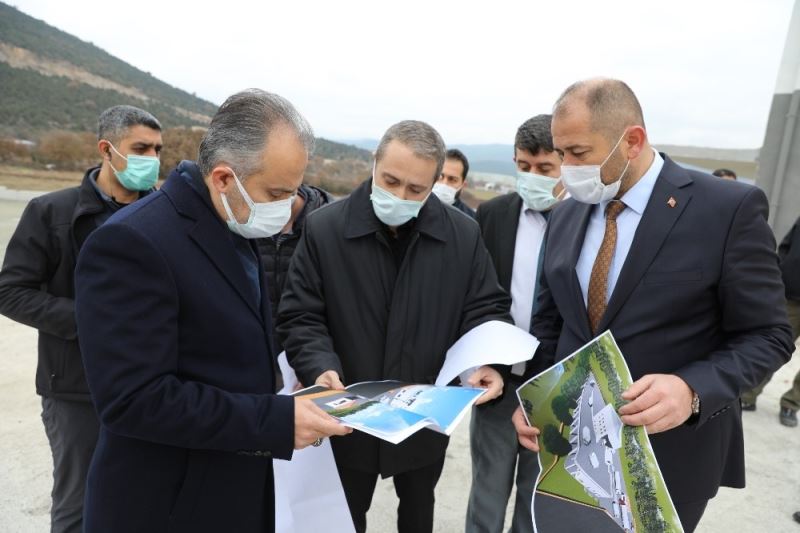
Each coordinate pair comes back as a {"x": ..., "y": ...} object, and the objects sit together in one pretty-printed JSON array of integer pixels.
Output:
[{"x": 53, "y": 80}]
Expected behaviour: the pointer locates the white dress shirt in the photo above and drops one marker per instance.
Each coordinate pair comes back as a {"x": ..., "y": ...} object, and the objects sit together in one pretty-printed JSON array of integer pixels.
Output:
[
  {"x": 628, "y": 220},
  {"x": 530, "y": 234}
]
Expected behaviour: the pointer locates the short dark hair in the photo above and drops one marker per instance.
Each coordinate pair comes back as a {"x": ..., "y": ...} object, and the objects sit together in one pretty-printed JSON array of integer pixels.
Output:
[
  {"x": 724, "y": 173},
  {"x": 534, "y": 135},
  {"x": 114, "y": 122},
  {"x": 455, "y": 153},
  {"x": 612, "y": 104}
]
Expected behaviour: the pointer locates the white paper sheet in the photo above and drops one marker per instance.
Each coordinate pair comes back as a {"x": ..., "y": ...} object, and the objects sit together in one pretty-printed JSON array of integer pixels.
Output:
[
  {"x": 491, "y": 343},
  {"x": 308, "y": 492}
]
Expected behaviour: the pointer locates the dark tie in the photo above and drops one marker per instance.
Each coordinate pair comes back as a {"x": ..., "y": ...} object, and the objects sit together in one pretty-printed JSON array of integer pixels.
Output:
[{"x": 598, "y": 282}]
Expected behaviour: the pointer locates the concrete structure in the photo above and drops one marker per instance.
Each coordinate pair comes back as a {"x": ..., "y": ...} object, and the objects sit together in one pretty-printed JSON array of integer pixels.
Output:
[{"x": 779, "y": 160}]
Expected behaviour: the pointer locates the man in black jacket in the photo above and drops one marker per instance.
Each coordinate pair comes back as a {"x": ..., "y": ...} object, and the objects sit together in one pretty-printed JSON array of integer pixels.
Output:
[
  {"x": 276, "y": 251},
  {"x": 36, "y": 289},
  {"x": 513, "y": 226},
  {"x": 453, "y": 180},
  {"x": 789, "y": 254},
  {"x": 381, "y": 285}
]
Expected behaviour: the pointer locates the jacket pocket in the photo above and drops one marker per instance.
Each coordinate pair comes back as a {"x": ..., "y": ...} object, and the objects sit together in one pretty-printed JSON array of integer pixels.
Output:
[
  {"x": 184, "y": 507},
  {"x": 687, "y": 276}
]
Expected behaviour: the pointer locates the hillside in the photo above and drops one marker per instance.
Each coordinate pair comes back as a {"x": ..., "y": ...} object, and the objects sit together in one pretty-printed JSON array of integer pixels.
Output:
[
  {"x": 54, "y": 86},
  {"x": 53, "y": 80}
]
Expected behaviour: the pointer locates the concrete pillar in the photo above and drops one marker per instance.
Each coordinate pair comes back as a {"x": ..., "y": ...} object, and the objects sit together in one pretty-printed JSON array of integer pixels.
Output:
[{"x": 779, "y": 159}]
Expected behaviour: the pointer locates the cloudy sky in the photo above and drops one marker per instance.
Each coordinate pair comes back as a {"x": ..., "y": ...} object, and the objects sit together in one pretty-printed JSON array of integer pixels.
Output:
[{"x": 705, "y": 70}]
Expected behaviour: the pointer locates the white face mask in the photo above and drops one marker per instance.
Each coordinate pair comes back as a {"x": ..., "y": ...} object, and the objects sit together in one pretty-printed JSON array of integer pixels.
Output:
[
  {"x": 583, "y": 182},
  {"x": 536, "y": 191},
  {"x": 266, "y": 219},
  {"x": 390, "y": 209},
  {"x": 445, "y": 193}
]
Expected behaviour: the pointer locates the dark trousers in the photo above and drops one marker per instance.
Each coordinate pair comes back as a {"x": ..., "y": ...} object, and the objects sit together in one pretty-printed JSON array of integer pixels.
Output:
[
  {"x": 415, "y": 489},
  {"x": 690, "y": 514},
  {"x": 497, "y": 458},
  {"x": 72, "y": 429}
]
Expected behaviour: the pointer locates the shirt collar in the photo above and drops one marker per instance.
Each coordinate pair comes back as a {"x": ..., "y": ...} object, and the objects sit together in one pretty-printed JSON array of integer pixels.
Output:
[
  {"x": 103, "y": 196},
  {"x": 637, "y": 197}
]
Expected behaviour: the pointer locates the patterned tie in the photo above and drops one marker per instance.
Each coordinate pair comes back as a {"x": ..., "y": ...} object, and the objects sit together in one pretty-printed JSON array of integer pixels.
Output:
[{"x": 598, "y": 283}]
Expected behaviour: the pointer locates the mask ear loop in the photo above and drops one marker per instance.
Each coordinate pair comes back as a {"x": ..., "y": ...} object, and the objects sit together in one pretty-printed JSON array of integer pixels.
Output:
[
  {"x": 117, "y": 152},
  {"x": 563, "y": 190},
  {"x": 245, "y": 197}
]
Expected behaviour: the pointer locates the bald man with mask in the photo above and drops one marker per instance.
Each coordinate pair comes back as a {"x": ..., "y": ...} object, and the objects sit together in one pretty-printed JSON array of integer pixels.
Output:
[{"x": 681, "y": 267}]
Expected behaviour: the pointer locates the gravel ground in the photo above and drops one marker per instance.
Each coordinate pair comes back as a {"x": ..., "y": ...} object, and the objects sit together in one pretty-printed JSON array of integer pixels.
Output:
[{"x": 766, "y": 505}]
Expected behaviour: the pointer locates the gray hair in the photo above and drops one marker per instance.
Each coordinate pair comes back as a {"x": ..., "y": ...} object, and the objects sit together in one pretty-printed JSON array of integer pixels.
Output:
[
  {"x": 238, "y": 132},
  {"x": 612, "y": 105},
  {"x": 420, "y": 138},
  {"x": 114, "y": 122}
]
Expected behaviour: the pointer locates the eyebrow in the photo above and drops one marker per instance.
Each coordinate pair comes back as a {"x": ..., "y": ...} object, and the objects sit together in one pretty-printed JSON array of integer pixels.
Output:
[
  {"x": 144, "y": 145},
  {"x": 574, "y": 147}
]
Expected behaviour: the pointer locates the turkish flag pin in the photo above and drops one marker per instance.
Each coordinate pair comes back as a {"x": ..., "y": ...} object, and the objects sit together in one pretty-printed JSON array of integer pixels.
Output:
[{"x": 672, "y": 202}]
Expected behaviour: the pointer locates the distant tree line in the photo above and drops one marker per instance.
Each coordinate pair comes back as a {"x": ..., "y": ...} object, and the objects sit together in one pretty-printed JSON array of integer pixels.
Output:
[{"x": 71, "y": 150}]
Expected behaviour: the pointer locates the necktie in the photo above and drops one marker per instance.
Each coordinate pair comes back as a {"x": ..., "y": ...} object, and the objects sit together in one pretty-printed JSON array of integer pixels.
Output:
[{"x": 598, "y": 282}]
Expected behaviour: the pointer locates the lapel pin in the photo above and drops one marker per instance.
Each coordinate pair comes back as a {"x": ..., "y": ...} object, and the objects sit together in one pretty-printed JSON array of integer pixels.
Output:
[{"x": 672, "y": 202}]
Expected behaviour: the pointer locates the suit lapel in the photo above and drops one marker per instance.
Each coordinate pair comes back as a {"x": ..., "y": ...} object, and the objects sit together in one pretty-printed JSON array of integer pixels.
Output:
[
  {"x": 581, "y": 220},
  {"x": 210, "y": 236},
  {"x": 188, "y": 194},
  {"x": 666, "y": 204}
]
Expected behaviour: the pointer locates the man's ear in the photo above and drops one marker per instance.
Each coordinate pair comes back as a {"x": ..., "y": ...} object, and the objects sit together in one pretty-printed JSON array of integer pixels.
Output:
[
  {"x": 635, "y": 139},
  {"x": 104, "y": 147},
  {"x": 221, "y": 179}
]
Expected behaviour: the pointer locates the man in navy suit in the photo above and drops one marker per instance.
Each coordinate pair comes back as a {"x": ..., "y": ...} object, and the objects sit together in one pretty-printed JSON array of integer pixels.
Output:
[
  {"x": 175, "y": 330},
  {"x": 681, "y": 267}
]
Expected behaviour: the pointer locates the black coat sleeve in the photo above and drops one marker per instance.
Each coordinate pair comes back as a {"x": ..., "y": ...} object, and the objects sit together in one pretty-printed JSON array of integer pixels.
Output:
[
  {"x": 302, "y": 325},
  {"x": 485, "y": 300},
  {"x": 31, "y": 257},
  {"x": 127, "y": 309},
  {"x": 751, "y": 296}
]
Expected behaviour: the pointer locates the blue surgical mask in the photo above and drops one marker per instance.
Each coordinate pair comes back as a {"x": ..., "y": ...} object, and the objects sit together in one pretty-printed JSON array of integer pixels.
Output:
[
  {"x": 536, "y": 191},
  {"x": 390, "y": 209},
  {"x": 141, "y": 173}
]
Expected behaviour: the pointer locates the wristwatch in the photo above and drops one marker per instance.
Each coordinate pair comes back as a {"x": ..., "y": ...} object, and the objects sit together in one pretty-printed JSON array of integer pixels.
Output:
[{"x": 695, "y": 404}]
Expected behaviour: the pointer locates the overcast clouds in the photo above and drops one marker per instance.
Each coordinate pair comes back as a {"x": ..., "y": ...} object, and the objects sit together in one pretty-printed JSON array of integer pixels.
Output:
[{"x": 705, "y": 71}]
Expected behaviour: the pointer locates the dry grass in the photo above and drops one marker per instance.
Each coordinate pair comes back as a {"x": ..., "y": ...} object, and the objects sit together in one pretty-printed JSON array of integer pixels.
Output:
[{"x": 35, "y": 179}]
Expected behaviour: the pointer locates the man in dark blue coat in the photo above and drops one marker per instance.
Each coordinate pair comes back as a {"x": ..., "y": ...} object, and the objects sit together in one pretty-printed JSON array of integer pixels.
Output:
[
  {"x": 175, "y": 329},
  {"x": 681, "y": 267}
]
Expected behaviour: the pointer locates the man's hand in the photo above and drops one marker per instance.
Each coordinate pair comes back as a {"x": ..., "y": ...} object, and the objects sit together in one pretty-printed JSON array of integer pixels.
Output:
[
  {"x": 488, "y": 378},
  {"x": 659, "y": 402},
  {"x": 312, "y": 423},
  {"x": 528, "y": 436},
  {"x": 330, "y": 380}
]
